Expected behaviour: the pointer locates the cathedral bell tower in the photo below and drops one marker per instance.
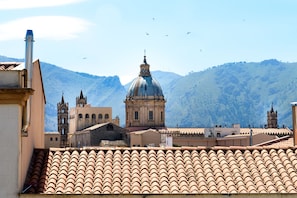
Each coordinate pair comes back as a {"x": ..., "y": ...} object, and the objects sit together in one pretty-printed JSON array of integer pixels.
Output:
[
  {"x": 272, "y": 118},
  {"x": 81, "y": 101},
  {"x": 63, "y": 124}
]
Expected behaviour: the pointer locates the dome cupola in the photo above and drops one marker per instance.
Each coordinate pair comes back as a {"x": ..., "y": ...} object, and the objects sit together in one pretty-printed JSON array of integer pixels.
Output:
[
  {"x": 145, "y": 85},
  {"x": 145, "y": 103}
]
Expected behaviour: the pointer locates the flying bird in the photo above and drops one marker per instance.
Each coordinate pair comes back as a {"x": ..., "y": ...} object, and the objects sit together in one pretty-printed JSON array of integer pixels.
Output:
[
  {"x": 147, "y": 33},
  {"x": 188, "y": 32}
]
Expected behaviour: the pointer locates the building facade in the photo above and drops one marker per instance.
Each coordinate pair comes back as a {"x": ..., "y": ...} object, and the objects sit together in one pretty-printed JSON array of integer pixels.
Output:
[
  {"x": 52, "y": 140},
  {"x": 145, "y": 103},
  {"x": 83, "y": 115},
  {"x": 94, "y": 135},
  {"x": 22, "y": 102}
]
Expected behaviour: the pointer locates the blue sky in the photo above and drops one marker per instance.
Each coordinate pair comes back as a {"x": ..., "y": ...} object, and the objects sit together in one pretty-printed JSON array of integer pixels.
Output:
[{"x": 108, "y": 37}]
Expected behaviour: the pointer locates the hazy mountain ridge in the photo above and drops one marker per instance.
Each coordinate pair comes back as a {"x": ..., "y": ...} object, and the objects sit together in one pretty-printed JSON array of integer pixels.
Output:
[
  {"x": 239, "y": 92},
  {"x": 234, "y": 93},
  {"x": 100, "y": 91}
]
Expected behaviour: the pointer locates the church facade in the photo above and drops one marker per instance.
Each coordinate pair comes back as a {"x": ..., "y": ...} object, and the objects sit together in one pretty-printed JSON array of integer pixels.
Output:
[
  {"x": 84, "y": 115},
  {"x": 73, "y": 124}
]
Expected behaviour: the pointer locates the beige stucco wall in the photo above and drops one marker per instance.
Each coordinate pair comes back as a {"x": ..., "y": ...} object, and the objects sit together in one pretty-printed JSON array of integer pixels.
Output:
[
  {"x": 135, "y": 139},
  {"x": 38, "y": 107},
  {"x": 259, "y": 138},
  {"x": 76, "y": 123},
  {"x": 242, "y": 141},
  {"x": 193, "y": 141},
  {"x": 145, "y": 138},
  {"x": 52, "y": 140},
  {"x": 151, "y": 138},
  {"x": 10, "y": 130},
  {"x": 35, "y": 137}
]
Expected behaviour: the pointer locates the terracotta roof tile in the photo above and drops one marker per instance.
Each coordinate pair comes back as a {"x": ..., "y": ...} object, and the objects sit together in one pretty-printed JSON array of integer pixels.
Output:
[
  {"x": 9, "y": 65},
  {"x": 163, "y": 171}
]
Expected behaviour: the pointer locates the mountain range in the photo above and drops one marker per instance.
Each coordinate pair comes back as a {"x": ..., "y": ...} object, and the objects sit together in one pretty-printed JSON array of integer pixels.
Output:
[{"x": 232, "y": 93}]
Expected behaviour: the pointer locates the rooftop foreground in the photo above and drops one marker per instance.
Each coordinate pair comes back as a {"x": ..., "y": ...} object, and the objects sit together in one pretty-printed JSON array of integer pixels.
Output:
[{"x": 157, "y": 170}]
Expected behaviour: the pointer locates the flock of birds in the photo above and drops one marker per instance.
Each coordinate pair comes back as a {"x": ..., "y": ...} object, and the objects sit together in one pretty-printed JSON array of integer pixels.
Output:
[{"x": 147, "y": 34}]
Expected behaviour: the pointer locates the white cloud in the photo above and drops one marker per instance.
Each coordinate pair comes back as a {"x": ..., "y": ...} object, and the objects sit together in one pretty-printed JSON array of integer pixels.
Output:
[
  {"x": 46, "y": 27},
  {"x": 24, "y": 4}
]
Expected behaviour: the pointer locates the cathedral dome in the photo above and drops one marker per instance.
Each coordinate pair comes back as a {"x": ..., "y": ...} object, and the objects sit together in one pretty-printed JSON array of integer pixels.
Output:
[{"x": 145, "y": 86}]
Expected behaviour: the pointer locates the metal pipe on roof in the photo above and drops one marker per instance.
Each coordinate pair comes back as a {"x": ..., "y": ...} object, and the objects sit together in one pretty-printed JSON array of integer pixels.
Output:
[
  {"x": 294, "y": 122},
  {"x": 29, "y": 67},
  {"x": 29, "y": 56}
]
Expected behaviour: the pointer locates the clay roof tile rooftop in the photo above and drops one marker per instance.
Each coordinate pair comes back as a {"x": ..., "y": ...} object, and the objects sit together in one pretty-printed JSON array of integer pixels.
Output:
[{"x": 163, "y": 170}]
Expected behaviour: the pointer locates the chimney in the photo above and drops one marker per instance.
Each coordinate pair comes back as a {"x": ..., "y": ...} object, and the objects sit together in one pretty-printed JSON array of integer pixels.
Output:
[
  {"x": 29, "y": 56},
  {"x": 294, "y": 122},
  {"x": 29, "y": 67}
]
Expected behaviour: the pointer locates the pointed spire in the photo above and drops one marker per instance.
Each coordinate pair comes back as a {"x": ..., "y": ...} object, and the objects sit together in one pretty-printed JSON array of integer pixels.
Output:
[
  {"x": 271, "y": 108},
  {"x": 81, "y": 95},
  {"x": 62, "y": 100}
]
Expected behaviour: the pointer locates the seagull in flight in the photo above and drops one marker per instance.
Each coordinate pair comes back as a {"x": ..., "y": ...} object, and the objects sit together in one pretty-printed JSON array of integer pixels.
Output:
[
  {"x": 188, "y": 32},
  {"x": 147, "y": 33}
]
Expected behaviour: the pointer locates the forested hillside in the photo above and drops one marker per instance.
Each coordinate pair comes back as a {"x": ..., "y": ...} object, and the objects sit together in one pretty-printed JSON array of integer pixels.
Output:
[{"x": 234, "y": 93}]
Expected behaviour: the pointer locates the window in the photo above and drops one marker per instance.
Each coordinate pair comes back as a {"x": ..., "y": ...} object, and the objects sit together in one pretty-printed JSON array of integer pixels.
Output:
[
  {"x": 161, "y": 115},
  {"x": 63, "y": 120},
  {"x": 100, "y": 116},
  {"x": 93, "y": 116},
  {"x": 80, "y": 115},
  {"x": 218, "y": 134},
  {"x": 63, "y": 131},
  {"x": 151, "y": 115},
  {"x": 136, "y": 115},
  {"x": 51, "y": 139},
  {"x": 106, "y": 116},
  {"x": 56, "y": 139},
  {"x": 87, "y": 116}
]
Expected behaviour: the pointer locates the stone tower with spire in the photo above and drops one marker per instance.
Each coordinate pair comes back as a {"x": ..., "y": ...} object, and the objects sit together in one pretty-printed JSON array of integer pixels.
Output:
[
  {"x": 81, "y": 101},
  {"x": 63, "y": 124},
  {"x": 272, "y": 118}
]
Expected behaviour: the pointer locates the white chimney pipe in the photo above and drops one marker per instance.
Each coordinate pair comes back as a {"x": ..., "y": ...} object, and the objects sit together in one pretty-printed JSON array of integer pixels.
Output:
[
  {"x": 29, "y": 67},
  {"x": 29, "y": 56},
  {"x": 294, "y": 122}
]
